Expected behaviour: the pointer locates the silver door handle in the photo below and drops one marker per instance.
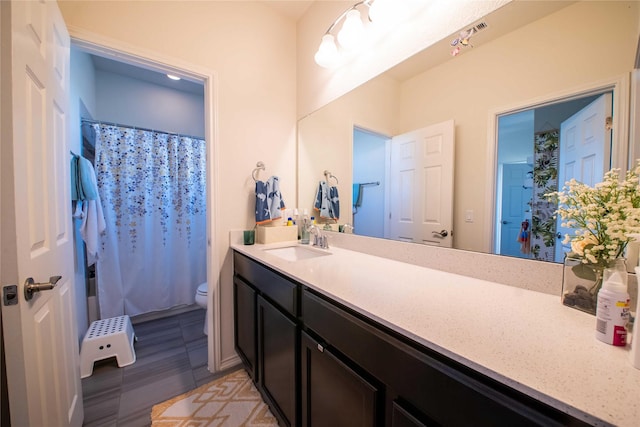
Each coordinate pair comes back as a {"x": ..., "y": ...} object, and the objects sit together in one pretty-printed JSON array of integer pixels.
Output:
[
  {"x": 441, "y": 234},
  {"x": 31, "y": 287}
]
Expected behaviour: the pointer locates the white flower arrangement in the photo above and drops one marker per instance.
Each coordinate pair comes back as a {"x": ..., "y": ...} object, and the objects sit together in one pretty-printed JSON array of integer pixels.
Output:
[{"x": 604, "y": 216}]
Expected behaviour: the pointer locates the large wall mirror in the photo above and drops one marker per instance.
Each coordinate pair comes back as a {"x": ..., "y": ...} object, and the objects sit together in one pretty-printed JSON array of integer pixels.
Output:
[{"x": 505, "y": 92}]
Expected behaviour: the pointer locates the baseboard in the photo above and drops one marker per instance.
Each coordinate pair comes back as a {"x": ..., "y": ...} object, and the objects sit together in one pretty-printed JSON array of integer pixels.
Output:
[
  {"x": 164, "y": 313},
  {"x": 230, "y": 362}
]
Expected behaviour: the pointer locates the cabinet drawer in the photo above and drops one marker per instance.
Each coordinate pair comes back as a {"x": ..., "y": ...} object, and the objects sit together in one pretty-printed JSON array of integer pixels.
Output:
[
  {"x": 275, "y": 287},
  {"x": 442, "y": 390}
]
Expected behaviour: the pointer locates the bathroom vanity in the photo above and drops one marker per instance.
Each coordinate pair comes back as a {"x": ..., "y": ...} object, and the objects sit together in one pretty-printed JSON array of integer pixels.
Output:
[{"x": 346, "y": 338}]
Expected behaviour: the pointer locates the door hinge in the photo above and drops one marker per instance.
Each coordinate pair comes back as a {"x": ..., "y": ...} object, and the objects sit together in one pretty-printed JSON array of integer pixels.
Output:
[{"x": 608, "y": 123}]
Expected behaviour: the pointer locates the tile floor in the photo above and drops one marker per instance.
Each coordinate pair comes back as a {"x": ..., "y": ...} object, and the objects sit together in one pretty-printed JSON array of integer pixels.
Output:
[{"x": 171, "y": 359}]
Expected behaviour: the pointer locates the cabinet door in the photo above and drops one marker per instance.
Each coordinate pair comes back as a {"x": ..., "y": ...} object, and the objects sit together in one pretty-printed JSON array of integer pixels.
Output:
[
  {"x": 332, "y": 393},
  {"x": 277, "y": 360},
  {"x": 244, "y": 314},
  {"x": 400, "y": 417}
]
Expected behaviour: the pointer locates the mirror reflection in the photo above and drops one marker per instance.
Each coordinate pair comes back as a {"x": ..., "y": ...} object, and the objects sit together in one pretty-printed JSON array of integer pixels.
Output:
[{"x": 534, "y": 64}]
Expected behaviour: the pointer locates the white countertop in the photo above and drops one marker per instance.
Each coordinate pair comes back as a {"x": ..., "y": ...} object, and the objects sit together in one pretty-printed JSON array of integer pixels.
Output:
[{"x": 525, "y": 339}]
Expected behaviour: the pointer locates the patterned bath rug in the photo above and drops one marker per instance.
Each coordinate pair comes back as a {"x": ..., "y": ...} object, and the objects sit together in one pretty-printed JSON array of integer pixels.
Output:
[{"x": 230, "y": 401}]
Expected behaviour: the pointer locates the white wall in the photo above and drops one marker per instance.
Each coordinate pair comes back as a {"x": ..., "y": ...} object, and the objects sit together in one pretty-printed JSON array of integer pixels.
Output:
[
  {"x": 128, "y": 101},
  {"x": 251, "y": 49},
  {"x": 325, "y": 138}
]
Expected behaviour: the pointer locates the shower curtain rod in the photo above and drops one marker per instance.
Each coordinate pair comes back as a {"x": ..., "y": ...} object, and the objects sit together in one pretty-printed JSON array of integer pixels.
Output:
[{"x": 100, "y": 122}]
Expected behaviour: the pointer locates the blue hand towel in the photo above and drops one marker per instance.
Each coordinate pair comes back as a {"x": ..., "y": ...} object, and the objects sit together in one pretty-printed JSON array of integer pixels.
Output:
[
  {"x": 334, "y": 205},
  {"x": 262, "y": 207},
  {"x": 327, "y": 201},
  {"x": 357, "y": 195},
  {"x": 275, "y": 201},
  {"x": 269, "y": 201}
]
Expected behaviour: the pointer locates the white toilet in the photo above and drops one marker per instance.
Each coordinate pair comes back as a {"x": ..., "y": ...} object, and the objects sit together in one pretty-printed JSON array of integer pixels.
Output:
[{"x": 201, "y": 300}]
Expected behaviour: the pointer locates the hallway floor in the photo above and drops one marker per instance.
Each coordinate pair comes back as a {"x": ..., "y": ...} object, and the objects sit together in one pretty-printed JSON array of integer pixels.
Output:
[{"x": 171, "y": 358}]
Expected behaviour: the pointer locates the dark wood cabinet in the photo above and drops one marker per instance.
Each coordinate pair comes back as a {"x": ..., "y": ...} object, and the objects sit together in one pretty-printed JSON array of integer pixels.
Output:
[
  {"x": 277, "y": 359},
  {"x": 319, "y": 363},
  {"x": 438, "y": 390},
  {"x": 401, "y": 417},
  {"x": 267, "y": 334},
  {"x": 333, "y": 393},
  {"x": 245, "y": 325}
]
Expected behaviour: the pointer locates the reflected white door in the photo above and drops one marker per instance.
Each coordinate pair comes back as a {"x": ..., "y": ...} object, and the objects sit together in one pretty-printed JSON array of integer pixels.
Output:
[
  {"x": 515, "y": 207},
  {"x": 585, "y": 152},
  {"x": 421, "y": 186},
  {"x": 40, "y": 335}
]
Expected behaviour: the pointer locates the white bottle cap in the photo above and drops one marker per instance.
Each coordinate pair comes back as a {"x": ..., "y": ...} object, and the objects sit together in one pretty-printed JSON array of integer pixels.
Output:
[
  {"x": 305, "y": 211},
  {"x": 615, "y": 283}
]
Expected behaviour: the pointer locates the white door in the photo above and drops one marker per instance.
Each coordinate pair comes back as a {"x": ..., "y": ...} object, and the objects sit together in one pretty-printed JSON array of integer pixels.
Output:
[
  {"x": 421, "y": 185},
  {"x": 40, "y": 335},
  {"x": 585, "y": 152},
  {"x": 515, "y": 207}
]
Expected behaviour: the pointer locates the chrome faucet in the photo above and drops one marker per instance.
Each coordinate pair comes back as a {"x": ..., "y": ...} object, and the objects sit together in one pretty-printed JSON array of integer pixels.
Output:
[{"x": 319, "y": 238}]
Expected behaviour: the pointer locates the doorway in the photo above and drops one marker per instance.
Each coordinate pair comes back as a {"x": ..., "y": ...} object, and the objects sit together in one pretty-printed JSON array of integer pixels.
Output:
[
  {"x": 369, "y": 170},
  {"x": 531, "y": 149},
  {"x": 194, "y": 76}
]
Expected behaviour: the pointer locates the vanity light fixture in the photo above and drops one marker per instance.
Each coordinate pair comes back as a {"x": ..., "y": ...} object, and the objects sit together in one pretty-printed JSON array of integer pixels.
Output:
[
  {"x": 353, "y": 34},
  {"x": 350, "y": 37},
  {"x": 172, "y": 77}
]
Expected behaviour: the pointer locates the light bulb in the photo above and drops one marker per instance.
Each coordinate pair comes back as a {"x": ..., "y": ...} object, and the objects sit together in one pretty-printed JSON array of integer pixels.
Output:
[
  {"x": 327, "y": 54},
  {"x": 352, "y": 33},
  {"x": 388, "y": 12}
]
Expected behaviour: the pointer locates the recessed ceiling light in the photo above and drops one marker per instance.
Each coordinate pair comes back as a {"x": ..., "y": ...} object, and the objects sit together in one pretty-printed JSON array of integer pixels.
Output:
[{"x": 172, "y": 77}]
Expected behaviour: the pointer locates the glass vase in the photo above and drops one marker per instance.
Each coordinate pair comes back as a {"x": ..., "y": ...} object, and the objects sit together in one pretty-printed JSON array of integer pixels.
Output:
[{"x": 581, "y": 282}]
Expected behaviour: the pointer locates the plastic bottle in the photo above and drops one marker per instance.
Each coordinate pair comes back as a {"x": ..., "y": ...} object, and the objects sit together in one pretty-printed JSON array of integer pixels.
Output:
[
  {"x": 612, "y": 312},
  {"x": 289, "y": 222},
  {"x": 634, "y": 352},
  {"x": 304, "y": 233},
  {"x": 296, "y": 221}
]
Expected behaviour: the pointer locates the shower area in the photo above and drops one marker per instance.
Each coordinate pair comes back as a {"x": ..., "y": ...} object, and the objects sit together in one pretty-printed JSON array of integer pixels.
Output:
[{"x": 144, "y": 240}]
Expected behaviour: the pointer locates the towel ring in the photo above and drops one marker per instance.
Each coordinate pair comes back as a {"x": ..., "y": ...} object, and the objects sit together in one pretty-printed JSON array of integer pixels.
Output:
[
  {"x": 259, "y": 167},
  {"x": 328, "y": 176}
]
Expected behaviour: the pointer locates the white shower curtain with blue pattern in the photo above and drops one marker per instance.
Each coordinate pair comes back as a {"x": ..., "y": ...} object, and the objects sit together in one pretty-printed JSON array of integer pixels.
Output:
[{"x": 153, "y": 190}]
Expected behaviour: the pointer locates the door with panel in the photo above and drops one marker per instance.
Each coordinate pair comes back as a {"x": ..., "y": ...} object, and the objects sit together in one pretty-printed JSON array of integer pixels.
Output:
[
  {"x": 585, "y": 152},
  {"x": 421, "y": 186},
  {"x": 333, "y": 393},
  {"x": 40, "y": 331},
  {"x": 278, "y": 360}
]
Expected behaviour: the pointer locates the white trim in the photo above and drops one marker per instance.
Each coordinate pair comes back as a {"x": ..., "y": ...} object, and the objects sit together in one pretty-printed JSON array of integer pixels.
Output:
[
  {"x": 634, "y": 110},
  {"x": 123, "y": 52},
  {"x": 622, "y": 146}
]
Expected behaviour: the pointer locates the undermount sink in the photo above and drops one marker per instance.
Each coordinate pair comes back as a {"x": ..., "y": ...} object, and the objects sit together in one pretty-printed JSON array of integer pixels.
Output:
[{"x": 297, "y": 253}]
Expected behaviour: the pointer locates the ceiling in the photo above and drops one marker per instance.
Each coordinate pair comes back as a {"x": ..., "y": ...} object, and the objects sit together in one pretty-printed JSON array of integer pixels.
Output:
[
  {"x": 293, "y": 9},
  {"x": 111, "y": 66}
]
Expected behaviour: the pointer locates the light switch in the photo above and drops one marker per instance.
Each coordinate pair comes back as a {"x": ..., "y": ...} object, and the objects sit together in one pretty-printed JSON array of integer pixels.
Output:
[{"x": 468, "y": 215}]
